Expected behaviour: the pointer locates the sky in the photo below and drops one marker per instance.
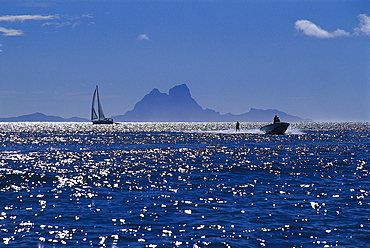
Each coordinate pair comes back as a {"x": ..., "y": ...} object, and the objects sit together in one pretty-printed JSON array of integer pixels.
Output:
[{"x": 308, "y": 58}]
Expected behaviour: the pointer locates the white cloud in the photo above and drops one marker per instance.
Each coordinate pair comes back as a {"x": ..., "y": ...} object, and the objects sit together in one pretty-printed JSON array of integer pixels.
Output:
[
  {"x": 311, "y": 29},
  {"x": 22, "y": 18},
  {"x": 61, "y": 24},
  {"x": 1, "y": 49},
  {"x": 364, "y": 27},
  {"x": 67, "y": 20},
  {"x": 11, "y": 32},
  {"x": 143, "y": 37},
  {"x": 83, "y": 16}
]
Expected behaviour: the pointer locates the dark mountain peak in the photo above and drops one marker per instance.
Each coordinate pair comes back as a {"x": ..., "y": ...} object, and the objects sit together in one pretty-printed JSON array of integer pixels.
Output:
[
  {"x": 154, "y": 94},
  {"x": 180, "y": 91},
  {"x": 178, "y": 105},
  {"x": 155, "y": 91},
  {"x": 37, "y": 114}
]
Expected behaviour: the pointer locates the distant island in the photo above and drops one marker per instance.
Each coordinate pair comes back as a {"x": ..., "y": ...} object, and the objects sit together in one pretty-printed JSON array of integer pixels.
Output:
[
  {"x": 42, "y": 118},
  {"x": 176, "y": 106}
]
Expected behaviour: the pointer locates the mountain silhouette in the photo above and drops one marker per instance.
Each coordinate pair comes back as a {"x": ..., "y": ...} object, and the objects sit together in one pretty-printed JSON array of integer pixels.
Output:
[
  {"x": 39, "y": 117},
  {"x": 178, "y": 105}
]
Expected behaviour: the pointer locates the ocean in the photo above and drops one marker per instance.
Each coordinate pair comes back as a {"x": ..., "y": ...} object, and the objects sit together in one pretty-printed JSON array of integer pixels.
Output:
[{"x": 184, "y": 185}]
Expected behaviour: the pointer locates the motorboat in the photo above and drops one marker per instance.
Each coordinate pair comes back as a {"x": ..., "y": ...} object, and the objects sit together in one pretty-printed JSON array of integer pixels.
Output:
[{"x": 275, "y": 128}]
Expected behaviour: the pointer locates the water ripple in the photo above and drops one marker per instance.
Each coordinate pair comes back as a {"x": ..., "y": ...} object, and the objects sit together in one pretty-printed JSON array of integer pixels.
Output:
[{"x": 184, "y": 185}]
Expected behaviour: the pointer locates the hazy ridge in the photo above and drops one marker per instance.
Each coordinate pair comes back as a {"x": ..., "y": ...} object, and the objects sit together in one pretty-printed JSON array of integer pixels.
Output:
[{"x": 177, "y": 105}]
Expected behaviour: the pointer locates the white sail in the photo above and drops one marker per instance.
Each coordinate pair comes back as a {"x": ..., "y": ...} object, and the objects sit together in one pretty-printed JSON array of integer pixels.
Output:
[
  {"x": 94, "y": 116},
  {"x": 100, "y": 109},
  {"x": 97, "y": 115}
]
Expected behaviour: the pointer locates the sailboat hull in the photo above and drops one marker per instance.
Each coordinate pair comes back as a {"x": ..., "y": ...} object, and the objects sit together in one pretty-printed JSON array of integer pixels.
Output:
[
  {"x": 105, "y": 121},
  {"x": 276, "y": 128}
]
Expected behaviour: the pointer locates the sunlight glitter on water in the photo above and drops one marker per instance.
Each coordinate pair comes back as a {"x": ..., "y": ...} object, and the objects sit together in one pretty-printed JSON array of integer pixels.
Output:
[{"x": 183, "y": 184}]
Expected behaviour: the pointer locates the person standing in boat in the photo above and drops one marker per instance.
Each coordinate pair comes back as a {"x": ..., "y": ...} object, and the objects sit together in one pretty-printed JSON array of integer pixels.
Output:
[
  {"x": 276, "y": 119},
  {"x": 237, "y": 126}
]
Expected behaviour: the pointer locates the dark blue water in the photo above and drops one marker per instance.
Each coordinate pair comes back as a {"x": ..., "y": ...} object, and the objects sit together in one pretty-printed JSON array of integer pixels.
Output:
[{"x": 184, "y": 185}]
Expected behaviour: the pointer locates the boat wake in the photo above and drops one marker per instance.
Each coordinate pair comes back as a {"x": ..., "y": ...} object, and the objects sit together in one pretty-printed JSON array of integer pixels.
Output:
[
  {"x": 246, "y": 131},
  {"x": 233, "y": 131},
  {"x": 294, "y": 131}
]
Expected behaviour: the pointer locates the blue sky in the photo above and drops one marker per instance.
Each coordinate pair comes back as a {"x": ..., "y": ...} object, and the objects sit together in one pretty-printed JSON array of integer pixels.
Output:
[{"x": 308, "y": 58}]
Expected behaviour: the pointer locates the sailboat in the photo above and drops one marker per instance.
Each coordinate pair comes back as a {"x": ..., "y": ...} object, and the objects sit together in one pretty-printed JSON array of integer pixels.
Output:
[{"x": 97, "y": 117}]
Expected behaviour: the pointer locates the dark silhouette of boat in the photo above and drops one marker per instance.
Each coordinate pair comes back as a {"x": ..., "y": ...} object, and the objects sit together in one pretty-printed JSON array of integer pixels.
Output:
[
  {"x": 275, "y": 128},
  {"x": 97, "y": 115}
]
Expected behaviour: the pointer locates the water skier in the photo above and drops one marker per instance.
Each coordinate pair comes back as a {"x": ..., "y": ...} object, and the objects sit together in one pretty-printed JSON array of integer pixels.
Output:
[{"x": 237, "y": 127}]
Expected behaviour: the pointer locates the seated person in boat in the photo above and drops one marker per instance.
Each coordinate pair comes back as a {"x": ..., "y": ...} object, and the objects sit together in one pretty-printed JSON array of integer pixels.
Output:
[{"x": 276, "y": 119}]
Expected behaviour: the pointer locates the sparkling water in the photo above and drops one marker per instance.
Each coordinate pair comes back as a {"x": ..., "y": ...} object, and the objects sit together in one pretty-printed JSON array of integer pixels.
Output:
[{"x": 184, "y": 185}]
